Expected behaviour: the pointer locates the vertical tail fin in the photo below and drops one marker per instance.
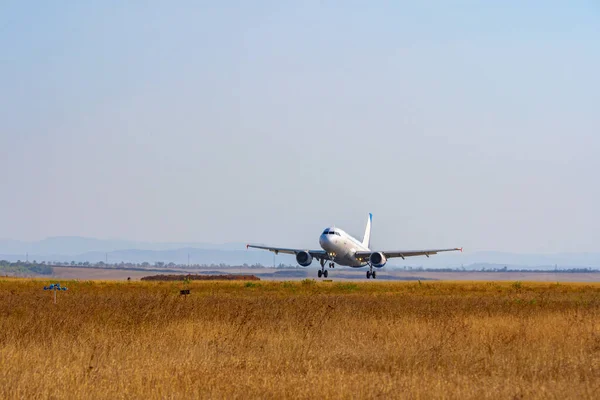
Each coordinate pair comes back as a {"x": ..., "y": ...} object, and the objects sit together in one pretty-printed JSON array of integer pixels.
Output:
[{"x": 367, "y": 238}]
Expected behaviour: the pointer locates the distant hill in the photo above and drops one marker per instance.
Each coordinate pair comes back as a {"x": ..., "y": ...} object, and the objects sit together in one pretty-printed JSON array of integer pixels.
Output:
[
  {"x": 516, "y": 260},
  {"x": 79, "y": 249},
  {"x": 76, "y": 245}
]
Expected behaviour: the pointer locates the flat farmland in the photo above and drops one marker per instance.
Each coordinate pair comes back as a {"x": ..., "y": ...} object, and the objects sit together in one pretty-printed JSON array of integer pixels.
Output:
[
  {"x": 301, "y": 339},
  {"x": 338, "y": 274}
]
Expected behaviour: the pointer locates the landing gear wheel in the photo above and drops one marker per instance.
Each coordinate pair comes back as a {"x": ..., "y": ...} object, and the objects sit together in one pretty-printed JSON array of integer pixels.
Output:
[
  {"x": 320, "y": 273},
  {"x": 325, "y": 273},
  {"x": 374, "y": 274},
  {"x": 368, "y": 274}
]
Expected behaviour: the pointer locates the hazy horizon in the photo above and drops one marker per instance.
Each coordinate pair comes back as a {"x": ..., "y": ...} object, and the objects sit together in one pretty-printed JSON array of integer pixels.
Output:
[
  {"x": 171, "y": 244},
  {"x": 470, "y": 125}
]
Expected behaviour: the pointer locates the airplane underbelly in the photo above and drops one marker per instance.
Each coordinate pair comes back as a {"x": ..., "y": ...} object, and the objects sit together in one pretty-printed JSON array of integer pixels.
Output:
[
  {"x": 344, "y": 254},
  {"x": 347, "y": 259}
]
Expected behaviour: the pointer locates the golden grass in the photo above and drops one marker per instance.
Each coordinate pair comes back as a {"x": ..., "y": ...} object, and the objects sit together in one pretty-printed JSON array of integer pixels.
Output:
[{"x": 300, "y": 340}]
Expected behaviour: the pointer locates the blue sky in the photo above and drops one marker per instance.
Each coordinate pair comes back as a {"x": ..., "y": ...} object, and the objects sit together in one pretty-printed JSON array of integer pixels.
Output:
[{"x": 456, "y": 123}]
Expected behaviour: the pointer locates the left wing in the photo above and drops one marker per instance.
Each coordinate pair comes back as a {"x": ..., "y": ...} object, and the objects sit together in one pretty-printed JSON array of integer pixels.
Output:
[
  {"x": 364, "y": 255},
  {"x": 318, "y": 254}
]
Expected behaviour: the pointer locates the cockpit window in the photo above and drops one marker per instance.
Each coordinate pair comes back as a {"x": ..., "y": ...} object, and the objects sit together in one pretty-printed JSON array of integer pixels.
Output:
[
  {"x": 337, "y": 233},
  {"x": 326, "y": 231},
  {"x": 331, "y": 232}
]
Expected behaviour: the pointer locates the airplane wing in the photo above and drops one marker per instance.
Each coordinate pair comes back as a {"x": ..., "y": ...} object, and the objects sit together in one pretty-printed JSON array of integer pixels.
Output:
[
  {"x": 364, "y": 255},
  {"x": 318, "y": 254}
]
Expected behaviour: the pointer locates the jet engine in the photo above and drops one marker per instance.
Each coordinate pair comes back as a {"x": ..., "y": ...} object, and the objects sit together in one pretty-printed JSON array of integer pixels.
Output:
[
  {"x": 377, "y": 259},
  {"x": 304, "y": 258}
]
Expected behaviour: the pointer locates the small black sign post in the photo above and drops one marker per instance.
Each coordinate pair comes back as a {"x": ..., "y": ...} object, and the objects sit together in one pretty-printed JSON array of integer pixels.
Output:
[{"x": 186, "y": 284}]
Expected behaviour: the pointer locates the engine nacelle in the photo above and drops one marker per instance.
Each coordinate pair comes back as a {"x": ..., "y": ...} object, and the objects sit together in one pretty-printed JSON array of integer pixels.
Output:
[
  {"x": 377, "y": 260},
  {"x": 304, "y": 258}
]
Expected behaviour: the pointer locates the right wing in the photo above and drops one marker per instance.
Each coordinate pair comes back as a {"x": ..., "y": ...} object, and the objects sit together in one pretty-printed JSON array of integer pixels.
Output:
[
  {"x": 364, "y": 255},
  {"x": 318, "y": 254}
]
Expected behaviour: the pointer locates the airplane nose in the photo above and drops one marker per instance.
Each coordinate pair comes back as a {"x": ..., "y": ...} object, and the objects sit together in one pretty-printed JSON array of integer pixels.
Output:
[
  {"x": 323, "y": 240},
  {"x": 326, "y": 242}
]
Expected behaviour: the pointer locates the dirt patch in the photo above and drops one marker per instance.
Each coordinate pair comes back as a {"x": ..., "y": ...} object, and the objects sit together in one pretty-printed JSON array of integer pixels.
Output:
[
  {"x": 201, "y": 278},
  {"x": 84, "y": 273}
]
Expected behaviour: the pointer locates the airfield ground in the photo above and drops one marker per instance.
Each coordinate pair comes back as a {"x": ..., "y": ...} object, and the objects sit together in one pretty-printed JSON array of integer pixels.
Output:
[
  {"x": 336, "y": 274},
  {"x": 302, "y": 339}
]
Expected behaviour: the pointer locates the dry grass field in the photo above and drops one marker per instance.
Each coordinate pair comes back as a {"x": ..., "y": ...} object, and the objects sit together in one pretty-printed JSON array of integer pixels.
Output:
[{"x": 300, "y": 340}]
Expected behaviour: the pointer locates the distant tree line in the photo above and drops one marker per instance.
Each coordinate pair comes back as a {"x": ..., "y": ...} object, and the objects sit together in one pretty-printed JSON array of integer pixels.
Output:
[
  {"x": 24, "y": 268},
  {"x": 160, "y": 265}
]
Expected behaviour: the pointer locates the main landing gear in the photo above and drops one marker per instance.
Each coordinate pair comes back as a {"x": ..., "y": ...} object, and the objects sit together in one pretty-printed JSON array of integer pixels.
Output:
[
  {"x": 371, "y": 273},
  {"x": 323, "y": 272}
]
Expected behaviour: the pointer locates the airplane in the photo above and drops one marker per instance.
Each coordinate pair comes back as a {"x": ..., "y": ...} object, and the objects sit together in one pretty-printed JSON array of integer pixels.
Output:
[{"x": 341, "y": 248}]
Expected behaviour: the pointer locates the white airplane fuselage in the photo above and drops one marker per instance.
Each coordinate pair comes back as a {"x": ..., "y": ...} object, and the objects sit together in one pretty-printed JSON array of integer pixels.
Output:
[{"x": 342, "y": 247}]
